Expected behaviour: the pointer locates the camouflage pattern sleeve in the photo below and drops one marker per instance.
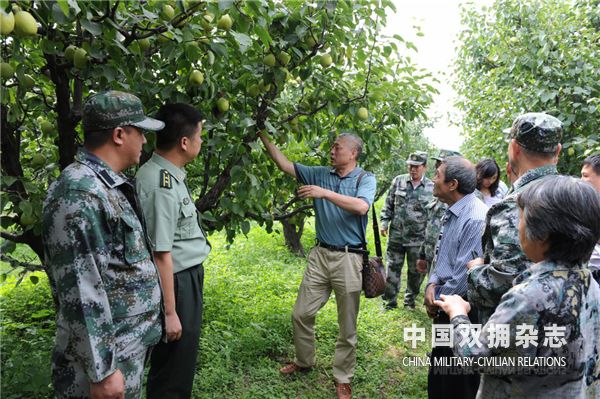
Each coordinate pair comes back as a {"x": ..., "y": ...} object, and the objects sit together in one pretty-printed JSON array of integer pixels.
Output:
[
  {"x": 387, "y": 212},
  {"x": 552, "y": 298},
  {"x": 77, "y": 254},
  {"x": 516, "y": 309},
  {"x": 503, "y": 256}
]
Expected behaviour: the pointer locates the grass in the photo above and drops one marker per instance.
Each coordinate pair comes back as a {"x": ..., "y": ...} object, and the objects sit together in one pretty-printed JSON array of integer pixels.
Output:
[{"x": 249, "y": 292}]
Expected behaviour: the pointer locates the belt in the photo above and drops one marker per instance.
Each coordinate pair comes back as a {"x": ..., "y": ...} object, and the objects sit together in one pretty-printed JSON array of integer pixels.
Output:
[{"x": 347, "y": 248}]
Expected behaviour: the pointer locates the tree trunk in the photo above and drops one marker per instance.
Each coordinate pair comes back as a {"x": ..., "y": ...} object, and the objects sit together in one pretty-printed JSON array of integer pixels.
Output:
[{"x": 292, "y": 232}]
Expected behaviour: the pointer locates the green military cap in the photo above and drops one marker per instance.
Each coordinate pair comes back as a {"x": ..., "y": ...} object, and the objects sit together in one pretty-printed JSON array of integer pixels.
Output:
[
  {"x": 537, "y": 132},
  {"x": 417, "y": 158},
  {"x": 443, "y": 154},
  {"x": 113, "y": 108}
]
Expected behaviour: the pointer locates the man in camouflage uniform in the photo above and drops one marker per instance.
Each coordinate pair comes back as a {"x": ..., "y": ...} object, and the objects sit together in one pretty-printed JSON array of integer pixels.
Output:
[
  {"x": 532, "y": 154},
  {"x": 435, "y": 213},
  {"x": 103, "y": 279},
  {"x": 405, "y": 216}
]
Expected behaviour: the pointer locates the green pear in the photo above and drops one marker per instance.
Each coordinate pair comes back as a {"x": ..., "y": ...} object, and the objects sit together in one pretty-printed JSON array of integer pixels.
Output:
[
  {"x": 144, "y": 44},
  {"x": 326, "y": 60},
  {"x": 269, "y": 60},
  {"x": 168, "y": 11},
  {"x": 225, "y": 22},
  {"x": 254, "y": 90},
  {"x": 223, "y": 104},
  {"x": 284, "y": 58},
  {"x": 7, "y": 22},
  {"x": 46, "y": 127},
  {"x": 196, "y": 77},
  {"x": 362, "y": 113},
  {"x": 25, "y": 24},
  {"x": 27, "y": 82},
  {"x": 70, "y": 52},
  {"x": 27, "y": 219},
  {"x": 6, "y": 70},
  {"x": 38, "y": 161},
  {"x": 310, "y": 41},
  {"x": 80, "y": 58}
]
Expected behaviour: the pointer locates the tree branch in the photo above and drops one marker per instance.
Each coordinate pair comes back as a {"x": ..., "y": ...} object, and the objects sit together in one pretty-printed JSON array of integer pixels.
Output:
[
  {"x": 294, "y": 212},
  {"x": 15, "y": 263}
]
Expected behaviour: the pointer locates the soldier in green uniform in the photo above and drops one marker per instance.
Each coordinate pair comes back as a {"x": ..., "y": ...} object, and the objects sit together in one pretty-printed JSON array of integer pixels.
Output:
[
  {"x": 179, "y": 246},
  {"x": 532, "y": 154},
  {"x": 435, "y": 213},
  {"x": 404, "y": 218},
  {"x": 105, "y": 285}
]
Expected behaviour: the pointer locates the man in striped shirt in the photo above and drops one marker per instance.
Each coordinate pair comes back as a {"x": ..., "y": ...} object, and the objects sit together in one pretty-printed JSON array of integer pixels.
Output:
[{"x": 458, "y": 243}]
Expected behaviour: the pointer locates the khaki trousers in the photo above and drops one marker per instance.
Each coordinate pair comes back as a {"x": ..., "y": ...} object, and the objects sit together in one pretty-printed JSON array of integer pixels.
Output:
[{"x": 329, "y": 270}]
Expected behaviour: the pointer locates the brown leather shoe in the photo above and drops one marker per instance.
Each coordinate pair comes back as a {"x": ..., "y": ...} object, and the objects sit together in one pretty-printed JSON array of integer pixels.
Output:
[
  {"x": 292, "y": 368},
  {"x": 343, "y": 391}
]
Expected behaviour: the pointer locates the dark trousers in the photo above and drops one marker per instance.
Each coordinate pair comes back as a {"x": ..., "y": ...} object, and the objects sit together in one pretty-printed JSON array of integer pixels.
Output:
[
  {"x": 173, "y": 364},
  {"x": 450, "y": 382}
]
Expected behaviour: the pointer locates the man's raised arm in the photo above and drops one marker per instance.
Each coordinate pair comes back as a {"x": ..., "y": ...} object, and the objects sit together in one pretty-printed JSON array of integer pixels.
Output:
[{"x": 280, "y": 160}]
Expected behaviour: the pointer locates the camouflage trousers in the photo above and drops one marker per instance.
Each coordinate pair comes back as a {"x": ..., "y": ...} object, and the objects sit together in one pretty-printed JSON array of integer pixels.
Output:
[
  {"x": 70, "y": 379},
  {"x": 395, "y": 255}
]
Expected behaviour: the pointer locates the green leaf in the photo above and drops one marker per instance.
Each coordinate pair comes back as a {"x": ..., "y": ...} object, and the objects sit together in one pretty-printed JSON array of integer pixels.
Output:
[
  {"x": 8, "y": 247},
  {"x": 92, "y": 27},
  {"x": 243, "y": 40},
  {"x": 225, "y": 4},
  {"x": 8, "y": 180},
  {"x": 42, "y": 313},
  {"x": 245, "y": 227},
  {"x": 263, "y": 34},
  {"x": 34, "y": 279},
  {"x": 58, "y": 14},
  {"x": 208, "y": 216},
  {"x": 64, "y": 6},
  {"x": 26, "y": 207}
]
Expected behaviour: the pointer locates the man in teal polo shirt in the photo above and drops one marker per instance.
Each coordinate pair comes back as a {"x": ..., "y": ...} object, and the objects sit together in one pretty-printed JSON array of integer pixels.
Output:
[
  {"x": 179, "y": 246},
  {"x": 341, "y": 204}
]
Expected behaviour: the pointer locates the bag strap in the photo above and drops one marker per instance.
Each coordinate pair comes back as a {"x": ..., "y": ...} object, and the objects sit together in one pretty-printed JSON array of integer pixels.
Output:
[
  {"x": 375, "y": 224},
  {"x": 376, "y": 233},
  {"x": 360, "y": 228}
]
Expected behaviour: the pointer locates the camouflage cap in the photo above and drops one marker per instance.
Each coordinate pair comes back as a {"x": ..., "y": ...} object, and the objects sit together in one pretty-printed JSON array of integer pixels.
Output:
[
  {"x": 537, "y": 132},
  {"x": 417, "y": 158},
  {"x": 111, "y": 109},
  {"x": 443, "y": 154}
]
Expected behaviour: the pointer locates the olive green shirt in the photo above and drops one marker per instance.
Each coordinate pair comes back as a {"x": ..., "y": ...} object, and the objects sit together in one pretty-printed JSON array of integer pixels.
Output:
[{"x": 171, "y": 216}]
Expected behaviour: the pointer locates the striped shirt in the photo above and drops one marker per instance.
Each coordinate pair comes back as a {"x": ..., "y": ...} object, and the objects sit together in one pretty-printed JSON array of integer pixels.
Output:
[{"x": 459, "y": 241}]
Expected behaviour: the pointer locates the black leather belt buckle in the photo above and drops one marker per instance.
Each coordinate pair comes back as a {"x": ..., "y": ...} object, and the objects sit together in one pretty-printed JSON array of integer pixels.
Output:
[{"x": 356, "y": 250}]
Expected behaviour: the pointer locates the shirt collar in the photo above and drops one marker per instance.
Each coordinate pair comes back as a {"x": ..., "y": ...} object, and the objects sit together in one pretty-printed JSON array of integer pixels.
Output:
[
  {"x": 178, "y": 173},
  {"x": 546, "y": 266},
  {"x": 421, "y": 182},
  {"x": 101, "y": 169},
  {"x": 355, "y": 172},
  {"x": 534, "y": 174},
  {"x": 457, "y": 208}
]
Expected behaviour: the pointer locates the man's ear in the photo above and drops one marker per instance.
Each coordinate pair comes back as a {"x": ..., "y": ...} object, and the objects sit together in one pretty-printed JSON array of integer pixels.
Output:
[
  {"x": 514, "y": 147},
  {"x": 557, "y": 153},
  {"x": 117, "y": 135},
  {"x": 453, "y": 185},
  {"x": 183, "y": 142}
]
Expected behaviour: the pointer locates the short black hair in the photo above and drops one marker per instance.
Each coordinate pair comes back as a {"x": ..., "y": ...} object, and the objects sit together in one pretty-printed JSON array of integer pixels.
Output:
[
  {"x": 181, "y": 120},
  {"x": 594, "y": 162},
  {"x": 462, "y": 170},
  {"x": 487, "y": 168},
  {"x": 94, "y": 139},
  {"x": 565, "y": 212}
]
